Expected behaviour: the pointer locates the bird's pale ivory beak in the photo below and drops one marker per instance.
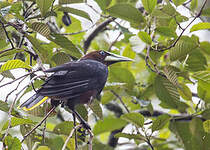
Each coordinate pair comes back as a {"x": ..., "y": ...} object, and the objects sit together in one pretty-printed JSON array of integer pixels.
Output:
[{"x": 116, "y": 58}]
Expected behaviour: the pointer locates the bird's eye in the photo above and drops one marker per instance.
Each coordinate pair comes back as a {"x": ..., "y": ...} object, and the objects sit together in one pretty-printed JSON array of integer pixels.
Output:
[{"x": 102, "y": 53}]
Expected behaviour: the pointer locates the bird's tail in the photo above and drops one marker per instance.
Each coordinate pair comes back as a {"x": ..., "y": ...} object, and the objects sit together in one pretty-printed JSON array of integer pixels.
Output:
[{"x": 33, "y": 102}]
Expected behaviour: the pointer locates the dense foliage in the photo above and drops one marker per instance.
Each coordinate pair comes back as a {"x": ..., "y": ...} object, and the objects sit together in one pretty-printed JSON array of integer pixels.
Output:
[{"x": 150, "y": 103}]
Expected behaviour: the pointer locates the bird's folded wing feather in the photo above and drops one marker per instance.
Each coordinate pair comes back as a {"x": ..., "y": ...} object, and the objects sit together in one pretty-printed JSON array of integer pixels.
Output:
[{"x": 72, "y": 79}]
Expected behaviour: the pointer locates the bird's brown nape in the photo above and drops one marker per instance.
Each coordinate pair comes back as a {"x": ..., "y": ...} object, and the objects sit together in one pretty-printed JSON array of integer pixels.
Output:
[{"x": 95, "y": 55}]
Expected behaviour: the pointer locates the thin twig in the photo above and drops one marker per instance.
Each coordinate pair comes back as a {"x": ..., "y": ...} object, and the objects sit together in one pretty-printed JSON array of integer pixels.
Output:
[
  {"x": 29, "y": 7},
  {"x": 95, "y": 32},
  {"x": 183, "y": 30},
  {"x": 18, "y": 78},
  {"x": 90, "y": 6},
  {"x": 14, "y": 89},
  {"x": 90, "y": 142},
  {"x": 5, "y": 31},
  {"x": 150, "y": 145},
  {"x": 114, "y": 41},
  {"x": 75, "y": 133},
  {"x": 74, "y": 33},
  {"x": 10, "y": 110},
  {"x": 137, "y": 130},
  {"x": 45, "y": 122},
  {"x": 6, "y": 50},
  {"x": 70, "y": 135},
  {"x": 39, "y": 124},
  {"x": 115, "y": 94}
]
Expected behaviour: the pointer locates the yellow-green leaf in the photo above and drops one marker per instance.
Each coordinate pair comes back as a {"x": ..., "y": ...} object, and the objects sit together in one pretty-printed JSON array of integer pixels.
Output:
[
  {"x": 70, "y": 1},
  {"x": 200, "y": 26},
  {"x": 185, "y": 92},
  {"x": 13, "y": 64},
  {"x": 126, "y": 12},
  {"x": 160, "y": 122},
  {"x": 206, "y": 126},
  {"x": 134, "y": 118},
  {"x": 149, "y": 5},
  {"x": 166, "y": 31},
  {"x": 144, "y": 36},
  {"x": 41, "y": 28},
  {"x": 17, "y": 121},
  {"x": 108, "y": 124},
  {"x": 44, "y": 6},
  {"x": 96, "y": 108},
  {"x": 12, "y": 143}
]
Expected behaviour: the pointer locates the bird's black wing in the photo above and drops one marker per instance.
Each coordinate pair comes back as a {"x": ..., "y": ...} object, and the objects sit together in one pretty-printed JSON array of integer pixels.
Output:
[{"x": 72, "y": 79}]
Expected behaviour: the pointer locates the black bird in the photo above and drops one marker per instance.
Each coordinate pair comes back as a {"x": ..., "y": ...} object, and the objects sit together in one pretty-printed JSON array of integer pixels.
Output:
[{"x": 75, "y": 82}]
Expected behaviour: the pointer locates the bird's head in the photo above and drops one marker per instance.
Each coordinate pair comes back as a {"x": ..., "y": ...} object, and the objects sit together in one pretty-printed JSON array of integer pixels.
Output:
[{"x": 105, "y": 57}]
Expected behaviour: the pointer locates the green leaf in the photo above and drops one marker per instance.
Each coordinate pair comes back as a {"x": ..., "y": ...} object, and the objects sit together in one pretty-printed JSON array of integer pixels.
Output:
[
  {"x": 185, "y": 92},
  {"x": 99, "y": 146},
  {"x": 168, "y": 94},
  {"x": 108, "y": 124},
  {"x": 56, "y": 143},
  {"x": 103, "y": 4},
  {"x": 64, "y": 128},
  {"x": 144, "y": 36},
  {"x": 60, "y": 58},
  {"x": 129, "y": 136},
  {"x": 149, "y": 5},
  {"x": 166, "y": 91},
  {"x": 183, "y": 47},
  {"x": 194, "y": 4},
  {"x": 206, "y": 114},
  {"x": 125, "y": 76},
  {"x": 13, "y": 143},
  {"x": 128, "y": 52},
  {"x": 135, "y": 118},
  {"x": 200, "y": 26},
  {"x": 127, "y": 12},
  {"x": 77, "y": 12},
  {"x": 171, "y": 75},
  {"x": 107, "y": 97},
  {"x": 203, "y": 90},
  {"x": 196, "y": 61},
  {"x": 13, "y": 64},
  {"x": 166, "y": 31},
  {"x": 70, "y": 1},
  {"x": 43, "y": 148},
  {"x": 206, "y": 126},
  {"x": 160, "y": 122},
  {"x": 41, "y": 28},
  {"x": 7, "y": 74},
  {"x": 202, "y": 75},
  {"x": 206, "y": 12},
  {"x": 191, "y": 134},
  {"x": 3, "y": 35},
  {"x": 96, "y": 108},
  {"x": 5, "y": 108},
  {"x": 44, "y": 6},
  {"x": 40, "y": 50},
  {"x": 205, "y": 47},
  {"x": 65, "y": 43},
  {"x": 81, "y": 109},
  {"x": 17, "y": 121},
  {"x": 178, "y": 2},
  {"x": 10, "y": 52}
]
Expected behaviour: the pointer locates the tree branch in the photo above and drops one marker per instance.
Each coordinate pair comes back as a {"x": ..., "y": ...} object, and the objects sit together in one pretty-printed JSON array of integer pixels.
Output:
[
  {"x": 39, "y": 124},
  {"x": 183, "y": 30},
  {"x": 5, "y": 31},
  {"x": 94, "y": 33}
]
